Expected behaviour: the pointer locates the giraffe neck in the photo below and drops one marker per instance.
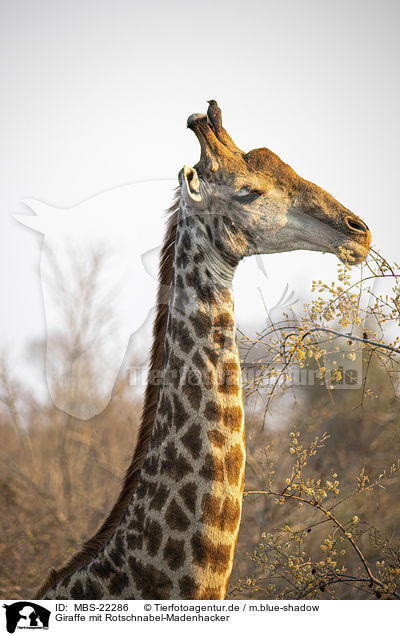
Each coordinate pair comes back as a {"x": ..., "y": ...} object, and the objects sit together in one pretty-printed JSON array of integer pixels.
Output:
[{"x": 178, "y": 536}]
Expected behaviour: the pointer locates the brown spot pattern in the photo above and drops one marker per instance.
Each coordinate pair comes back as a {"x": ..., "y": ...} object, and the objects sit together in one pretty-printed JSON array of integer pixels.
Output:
[
  {"x": 134, "y": 541},
  {"x": 118, "y": 550},
  {"x": 201, "y": 323},
  {"x": 229, "y": 383},
  {"x": 213, "y": 468},
  {"x": 192, "y": 440},
  {"x": 184, "y": 338},
  {"x": 102, "y": 569},
  {"x": 150, "y": 465},
  {"x": 159, "y": 498},
  {"x": 193, "y": 394},
  {"x": 175, "y": 465},
  {"x": 198, "y": 361},
  {"x": 77, "y": 590},
  {"x": 207, "y": 554},
  {"x": 175, "y": 363},
  {"x": 118, "y": 583},
  {"x": 232, "y": 416},
  {"x": 212, "y": 411},
  {"x": 222, "y": 340},
  {"x": 224, "y": 320},
  {"x": 188, "y": 588},
  {"x": 188, "y": 492},
  {"x": 138, "y": 515},
  {"x": 174, "y": 553},
  {"x": 222, "y": 513},
  {"x": 151, "y": 582},
  {"x": 142, "y": 488},
  {"x": 176, "y": 518},
  {"x": 152, "y": 536},
  {"x": 234, "y": 464},
  {"x": 216, "y": 438},
  {"x": 180, "y": 415},
  {"x": 92, "y": 590},
  {"x": 211, "y": 355},
  {"x": 165, "y": 407}
]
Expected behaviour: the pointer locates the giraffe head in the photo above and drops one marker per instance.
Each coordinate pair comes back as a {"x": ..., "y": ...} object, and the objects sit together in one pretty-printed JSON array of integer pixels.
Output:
[{"x": 255, "y": 203}]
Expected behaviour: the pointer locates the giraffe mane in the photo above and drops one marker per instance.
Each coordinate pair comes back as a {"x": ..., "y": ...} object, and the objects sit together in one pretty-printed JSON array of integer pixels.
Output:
[{"x": 92, "y": 546}]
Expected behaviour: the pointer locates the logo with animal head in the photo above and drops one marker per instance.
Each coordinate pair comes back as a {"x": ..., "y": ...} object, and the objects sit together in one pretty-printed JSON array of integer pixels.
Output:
[{"x": 26, "y": 615}]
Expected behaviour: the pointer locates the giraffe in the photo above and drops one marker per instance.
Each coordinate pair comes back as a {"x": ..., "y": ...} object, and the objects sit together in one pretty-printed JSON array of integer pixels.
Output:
[{"x": 172, "y": 532}]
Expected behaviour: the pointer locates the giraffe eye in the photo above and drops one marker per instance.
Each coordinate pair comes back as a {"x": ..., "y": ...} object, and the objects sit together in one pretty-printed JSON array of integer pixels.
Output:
[{"x": 245, "y": 195}]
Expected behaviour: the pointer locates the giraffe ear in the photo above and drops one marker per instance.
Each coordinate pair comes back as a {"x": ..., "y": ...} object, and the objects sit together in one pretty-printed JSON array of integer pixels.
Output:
[{"x": 191, "y": 185}]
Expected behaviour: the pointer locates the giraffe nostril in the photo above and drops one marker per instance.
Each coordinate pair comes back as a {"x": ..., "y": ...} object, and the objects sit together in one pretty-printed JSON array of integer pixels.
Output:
[{"x": 356, "y": 225}]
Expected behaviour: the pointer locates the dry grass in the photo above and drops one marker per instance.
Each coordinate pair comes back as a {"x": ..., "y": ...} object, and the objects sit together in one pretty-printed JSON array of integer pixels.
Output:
[{"x": 58, "y": 480}]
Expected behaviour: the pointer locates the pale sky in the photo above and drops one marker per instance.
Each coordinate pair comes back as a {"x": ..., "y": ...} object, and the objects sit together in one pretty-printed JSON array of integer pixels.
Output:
[{"x": 95, "y": 94}]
